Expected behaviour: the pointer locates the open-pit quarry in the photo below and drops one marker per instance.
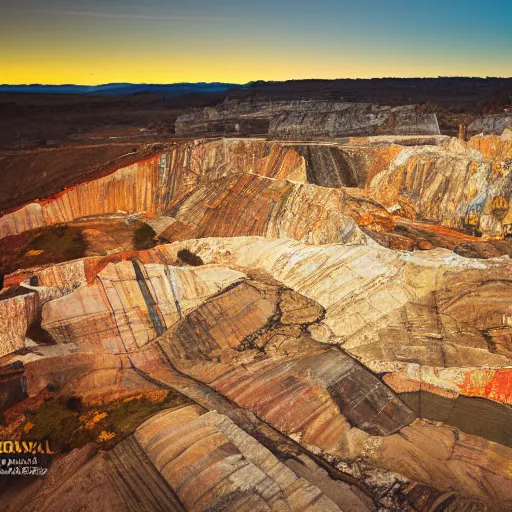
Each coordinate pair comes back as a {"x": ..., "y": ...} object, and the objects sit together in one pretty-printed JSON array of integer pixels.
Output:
[{"x": 314, "y": 322}]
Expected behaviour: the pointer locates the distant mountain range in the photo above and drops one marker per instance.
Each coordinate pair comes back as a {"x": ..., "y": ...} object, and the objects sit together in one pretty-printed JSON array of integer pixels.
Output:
[{"x": 123, "y": 89}]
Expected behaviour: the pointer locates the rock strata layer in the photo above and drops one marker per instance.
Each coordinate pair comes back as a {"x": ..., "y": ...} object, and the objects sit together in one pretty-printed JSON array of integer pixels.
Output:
[
  {"x": 305, "y": 120},
  {"x": 270, "y": 325}
]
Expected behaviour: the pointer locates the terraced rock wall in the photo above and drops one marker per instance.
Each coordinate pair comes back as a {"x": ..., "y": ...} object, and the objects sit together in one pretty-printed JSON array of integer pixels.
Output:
[
  {"x": 306, "y": 120},
  {"x": 154, "y": 186},
  {"x": 457, "y": 187}
]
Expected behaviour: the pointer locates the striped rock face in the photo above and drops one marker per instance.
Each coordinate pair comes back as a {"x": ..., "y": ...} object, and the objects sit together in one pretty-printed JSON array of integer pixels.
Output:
[
  {"x": 306, "y": 120},
  {"x": 255, "y": 325},
  {"x": 188, "y": 459},
  {"x": 462, "y": 186}
]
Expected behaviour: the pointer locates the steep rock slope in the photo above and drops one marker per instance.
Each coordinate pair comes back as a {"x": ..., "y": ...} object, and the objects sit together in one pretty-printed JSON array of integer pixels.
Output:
[
  {"x": 455, "y": 186},
  {"x": 491, "y": 125},
  {"x": 268, "y": 341},
  {"x": 128, "y": 303},
  {"x": 303, "y": 120},
  {"x": 182, "y": 459},
  {"x": 153, "y": 186},
  {"x": 353, "y": 119},
  {"x": 374, "y": 297},
  {"x": 252, "y": 205}
]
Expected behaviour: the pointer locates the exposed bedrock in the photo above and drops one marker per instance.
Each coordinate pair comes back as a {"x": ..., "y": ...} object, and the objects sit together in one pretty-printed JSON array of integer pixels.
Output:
[
  {"x": 128, "y": 303},
  {"x": 154, "y": 186},
  {"x": 491, "y": 125},
  {"x": 373, "y": 296},
  {"x": 317, "y": 370},
  {"x": 17, "y": 313},
  {"x": 462, "y": 186},
  {"x": 303, "y": 120},
  {"x": 353, "y": 119},
  {"x": 182, "y": 459},
  {"x": 224, "y": 178},
  {"x": 250, "y": 344},
  {"x": 280, "y": 329},
  {"x": 392, "y": 311},
  {"x": 253, "y": 205}
]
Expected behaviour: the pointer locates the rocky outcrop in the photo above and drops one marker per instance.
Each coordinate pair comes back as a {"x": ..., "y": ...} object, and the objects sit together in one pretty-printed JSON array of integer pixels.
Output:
[
  {"x": 128, "y": 303},
  {"x": 389, "y": 310},
  {"x": 491, "y": 125},
  {"x": 314, "y": 368},
  {"x": 302, "y": 120},
  {"x": 450, "y": 459},
  {"x": 182, "y": 459},
  {"x": 455, "y": 186},
  {"x": 16, "y": 315},
  {"x": 175, "y": 179},
  {"x": 237, "y": 474},
  {"x": 353, "y": 119},
  {"x": 296, "y": 336},
  {"x": 252, "y": 205},
  {"x": 251, "y": 349},
  {"x": 372, "y": 296}
]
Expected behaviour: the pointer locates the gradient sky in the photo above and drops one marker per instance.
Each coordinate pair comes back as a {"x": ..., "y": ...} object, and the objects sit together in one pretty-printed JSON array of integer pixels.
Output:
[{"x": 164, "y": 41}]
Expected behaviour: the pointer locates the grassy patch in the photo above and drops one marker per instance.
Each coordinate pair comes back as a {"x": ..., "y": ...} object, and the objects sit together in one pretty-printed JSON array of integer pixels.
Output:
[
  {"x": 144, "y": 237},
  {"x": 68, "y": 424},
  {"x": 41, "y": 246},
  {"x": 190, "y": 258}
]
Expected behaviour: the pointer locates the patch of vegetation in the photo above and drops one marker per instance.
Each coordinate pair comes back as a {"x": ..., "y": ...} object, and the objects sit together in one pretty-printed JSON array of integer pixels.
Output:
[
  {"x": 52, "y": 420},
  {"x": 144, "y": 237},
  {"x": 41, "y": 246},
  {"x": 67, "y": 423},
  {"x": 190, "y": 258}
]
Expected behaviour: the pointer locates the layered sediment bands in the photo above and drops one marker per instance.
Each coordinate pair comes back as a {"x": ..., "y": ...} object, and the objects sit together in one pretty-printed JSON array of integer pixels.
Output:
[
  {"x": 155, "y": 185},
  {"x": 149, "y": 186},
  {"x": 251, "y": 205},
  {"x": 330, "y": 166},
  {"x": 270, "y": 333},
  {"x": 426, "y": 499},
  {"x": 122, "y": 480},
  {"x": 346, "y": 166},
  {"x": 449, "y": 459},
  {"x": 28, "y": 175},
  {"x": 65, "y": 276},
  {"x": 16, "y": 315},
  {"x": 410, "y": 234},
  {"x": 383, "y": 307},
  {"x": 131, "y": 189},
  {"x": 491, "y": 125},
  {"x": 212, "y": 464},
  {"x": 492, "y": 383},
  {"x": 182, "y": 459},
  {"x": 302, "y": 120},
  {"x": 457, "y": 187},
  {"x": 243, "y": 346},
  {"x": 128, "y": 303},
  {"x": 353, "y": 119},
  {"x": 373, "y": 298}
]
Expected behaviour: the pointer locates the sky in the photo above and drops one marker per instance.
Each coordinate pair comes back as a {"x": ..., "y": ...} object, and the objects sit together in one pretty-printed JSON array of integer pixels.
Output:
[{"x": 237, "y": 41}]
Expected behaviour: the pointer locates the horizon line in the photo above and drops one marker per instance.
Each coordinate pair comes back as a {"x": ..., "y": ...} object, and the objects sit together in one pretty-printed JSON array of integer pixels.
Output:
[{"x": 36, "y": 84}]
